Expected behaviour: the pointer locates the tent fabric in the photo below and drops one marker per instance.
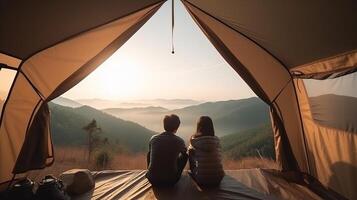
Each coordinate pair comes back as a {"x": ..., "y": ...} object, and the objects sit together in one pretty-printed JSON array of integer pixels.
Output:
[
  {"x": 17, "y": 112},
  {"x": 270, "y": 44},
  {"x": 332, "y": 151},
  {"x": 237, "y": 184},
  {"x": 296, "y": 33},
  {"x": 48, "y": 23},
  {"x": 325, "y": 68},
  {"x": 49, "y": 73}
]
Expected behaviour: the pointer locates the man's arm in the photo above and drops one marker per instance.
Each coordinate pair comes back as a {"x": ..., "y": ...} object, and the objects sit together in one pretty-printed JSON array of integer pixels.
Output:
[{"x": 183, "y": 148}]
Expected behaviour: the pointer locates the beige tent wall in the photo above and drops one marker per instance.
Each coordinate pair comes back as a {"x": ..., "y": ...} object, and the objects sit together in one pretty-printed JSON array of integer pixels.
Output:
[
  {"x": 48, "y": 74},
  {"x": 266, "y": 76},
  {"x": 16, "y": 115},
  {"x": 287, "y": 107},
  {"x": 332, "y": 152}
]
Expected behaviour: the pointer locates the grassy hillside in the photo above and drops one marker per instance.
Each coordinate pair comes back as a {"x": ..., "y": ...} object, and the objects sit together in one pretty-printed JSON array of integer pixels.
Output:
[
  {"x": 67, "y": 126},
  {"x": 228, "y": 116},
  {"x": 248, "y": 143}
]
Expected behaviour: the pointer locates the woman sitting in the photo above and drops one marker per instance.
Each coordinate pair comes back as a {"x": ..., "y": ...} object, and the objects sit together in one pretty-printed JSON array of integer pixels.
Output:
[{"x": 205, "y": 154}]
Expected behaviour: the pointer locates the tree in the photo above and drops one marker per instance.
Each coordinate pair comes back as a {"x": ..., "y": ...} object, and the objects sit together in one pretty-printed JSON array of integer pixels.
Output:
[{"x": 93, "y": 132}]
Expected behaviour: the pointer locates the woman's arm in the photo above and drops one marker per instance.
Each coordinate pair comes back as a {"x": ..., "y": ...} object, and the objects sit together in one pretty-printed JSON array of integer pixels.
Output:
[{"x": 192, "y": 160}]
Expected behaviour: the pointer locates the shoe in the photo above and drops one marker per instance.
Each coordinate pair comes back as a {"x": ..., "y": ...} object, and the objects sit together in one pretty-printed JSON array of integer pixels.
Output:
[
  {"x": 51, "y": 188},
  {"x": 22, "y": 189}
]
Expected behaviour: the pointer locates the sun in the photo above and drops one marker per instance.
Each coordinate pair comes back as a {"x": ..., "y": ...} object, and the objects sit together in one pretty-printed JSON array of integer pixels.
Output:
[{"x": 118, "y": 78}]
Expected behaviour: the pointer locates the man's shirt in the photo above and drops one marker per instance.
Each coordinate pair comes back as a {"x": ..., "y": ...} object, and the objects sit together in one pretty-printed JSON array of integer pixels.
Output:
[{"x": 165, "y": 149}]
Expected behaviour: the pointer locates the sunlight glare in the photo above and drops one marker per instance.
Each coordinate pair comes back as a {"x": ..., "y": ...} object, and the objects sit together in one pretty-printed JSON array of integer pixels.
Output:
[{"x": 118, "y": 77}]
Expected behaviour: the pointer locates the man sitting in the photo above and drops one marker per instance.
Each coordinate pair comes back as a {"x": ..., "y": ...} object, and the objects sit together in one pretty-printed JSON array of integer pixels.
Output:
[{"x": 167, "y": 155}]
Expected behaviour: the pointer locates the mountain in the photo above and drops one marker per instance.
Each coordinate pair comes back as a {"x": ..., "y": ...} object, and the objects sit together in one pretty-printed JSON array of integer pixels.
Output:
[
  {"x": 336, "y": 111},
  {"x": 228, "y": 116},
  {"x": 66, "y": 102},
  {"x": 167, "y": 103},
  {"x": 173, "y": 103},
  {"x": 143, "y": 110},
  {"x": 249, "y": 142},
  {"x": 67, "y": 123}
]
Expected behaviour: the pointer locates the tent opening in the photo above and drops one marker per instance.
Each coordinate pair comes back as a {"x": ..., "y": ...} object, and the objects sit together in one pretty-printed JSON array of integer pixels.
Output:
[
  {"x": 131, "y": 92},
  {"x": 269, "y": 44}
]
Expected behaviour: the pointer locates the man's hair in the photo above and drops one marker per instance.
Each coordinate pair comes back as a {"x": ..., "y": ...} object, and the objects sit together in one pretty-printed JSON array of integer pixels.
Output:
[{"x": 171, "y": 123}]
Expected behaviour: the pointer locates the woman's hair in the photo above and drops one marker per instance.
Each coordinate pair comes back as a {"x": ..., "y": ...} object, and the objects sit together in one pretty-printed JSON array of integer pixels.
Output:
[{"x": 204, "y": 127}]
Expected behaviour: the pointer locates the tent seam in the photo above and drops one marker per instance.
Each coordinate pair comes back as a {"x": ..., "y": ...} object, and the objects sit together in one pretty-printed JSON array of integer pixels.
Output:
[
  {"x": 303, "y": 130},
  {"x": 32, "y": 85}
]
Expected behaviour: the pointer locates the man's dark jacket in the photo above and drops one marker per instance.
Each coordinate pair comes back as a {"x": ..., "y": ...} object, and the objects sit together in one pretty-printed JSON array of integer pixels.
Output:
[{"x": 165, "y": 149}]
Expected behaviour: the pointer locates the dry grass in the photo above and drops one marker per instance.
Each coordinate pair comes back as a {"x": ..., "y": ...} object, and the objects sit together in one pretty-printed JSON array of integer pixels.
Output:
[
  {"x": 76, "y": 157},
  {"x": 249, "y": 162}
]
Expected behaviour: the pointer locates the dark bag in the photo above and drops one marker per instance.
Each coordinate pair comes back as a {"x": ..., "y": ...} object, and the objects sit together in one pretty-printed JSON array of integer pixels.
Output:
[
  {"x": 22, "y": 189},
  {"x": 51, "y": 188}
]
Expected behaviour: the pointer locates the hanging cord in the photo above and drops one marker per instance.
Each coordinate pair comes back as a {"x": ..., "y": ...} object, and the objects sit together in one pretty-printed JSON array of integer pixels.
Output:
[{"x": 172, "y": 27}]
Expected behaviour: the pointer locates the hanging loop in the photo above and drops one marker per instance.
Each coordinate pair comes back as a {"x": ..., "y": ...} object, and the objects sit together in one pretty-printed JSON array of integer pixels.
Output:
[{"x": 172, "y": 27}]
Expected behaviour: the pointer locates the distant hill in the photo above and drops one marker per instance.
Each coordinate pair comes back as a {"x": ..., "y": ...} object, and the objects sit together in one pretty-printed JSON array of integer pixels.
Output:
[
  {"x": 228, "y": 116},
  {"x": 248, "y": 143},
  {"x": 335, "y": 111},
  {"x": 167, "y": 103},
  {"x": 67, "y": 123},
  {"x": 150, "y": 109},
  {"x": 66, "y": 102}
]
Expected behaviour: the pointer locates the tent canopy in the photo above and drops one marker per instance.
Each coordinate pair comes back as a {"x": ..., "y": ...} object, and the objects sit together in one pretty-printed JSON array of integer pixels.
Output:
[{"x": 271, "y": 45}]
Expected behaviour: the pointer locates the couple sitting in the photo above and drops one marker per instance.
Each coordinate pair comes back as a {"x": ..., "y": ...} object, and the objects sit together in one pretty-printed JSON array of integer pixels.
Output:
[{"x": 168, "y": 155}]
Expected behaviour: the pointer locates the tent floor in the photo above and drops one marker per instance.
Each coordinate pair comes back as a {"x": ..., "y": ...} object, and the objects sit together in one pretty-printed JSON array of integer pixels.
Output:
[{"x": 237, "y": 184}]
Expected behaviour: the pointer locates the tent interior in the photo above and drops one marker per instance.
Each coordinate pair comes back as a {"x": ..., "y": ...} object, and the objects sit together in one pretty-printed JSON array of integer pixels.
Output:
[{"x": 299, "y": 58}]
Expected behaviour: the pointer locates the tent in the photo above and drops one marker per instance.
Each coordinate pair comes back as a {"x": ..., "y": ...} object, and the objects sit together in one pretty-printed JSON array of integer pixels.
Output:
[{"x": 275, "y": 46}]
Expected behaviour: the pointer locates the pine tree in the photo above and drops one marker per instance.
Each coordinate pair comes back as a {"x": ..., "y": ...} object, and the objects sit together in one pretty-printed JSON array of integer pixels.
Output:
[{"x": 92, "y": 130}]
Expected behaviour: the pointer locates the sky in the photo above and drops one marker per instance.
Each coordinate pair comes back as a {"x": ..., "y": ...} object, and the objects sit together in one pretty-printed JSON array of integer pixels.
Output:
[
  {"x": 345, "y": 86},
  {"x": 144, "y": 68}
]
